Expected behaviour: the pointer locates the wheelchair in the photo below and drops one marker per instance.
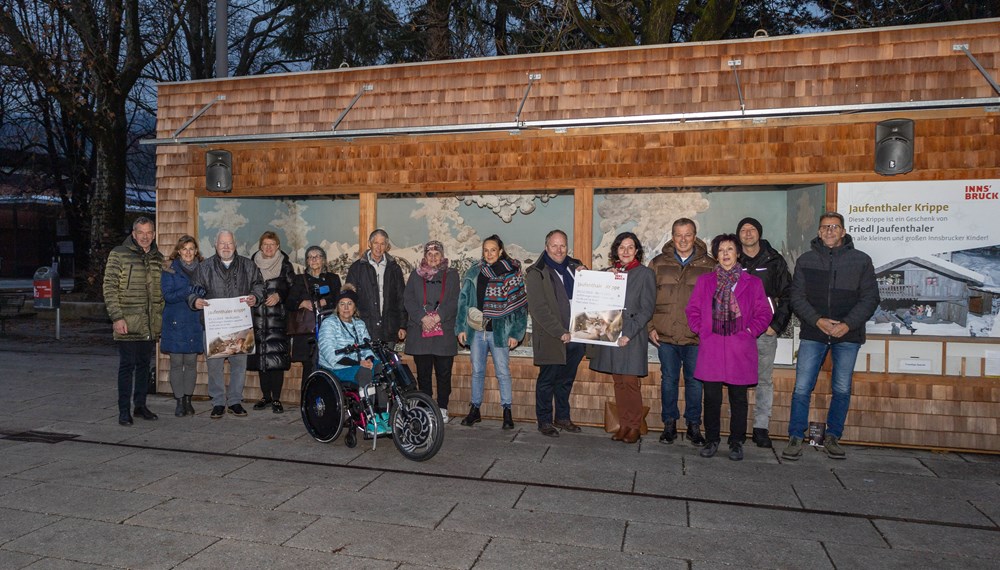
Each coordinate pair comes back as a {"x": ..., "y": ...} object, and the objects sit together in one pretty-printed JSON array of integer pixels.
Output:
[{"x": 331, "y": 407}]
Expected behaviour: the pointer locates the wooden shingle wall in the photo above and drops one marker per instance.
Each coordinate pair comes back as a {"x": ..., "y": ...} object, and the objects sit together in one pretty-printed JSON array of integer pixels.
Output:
[{"x": 875, "y": 66}]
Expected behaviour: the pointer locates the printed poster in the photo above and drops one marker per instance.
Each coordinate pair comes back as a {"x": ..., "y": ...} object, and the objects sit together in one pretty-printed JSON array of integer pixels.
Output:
[
  {"x": 228, "y": 327},
  {"x": 598, "y": 305}
]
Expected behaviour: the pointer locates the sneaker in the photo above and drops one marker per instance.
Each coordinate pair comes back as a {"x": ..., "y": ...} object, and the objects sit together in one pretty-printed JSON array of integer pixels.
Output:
[
  {"x": 669, "y": 432},
  {"x": 548, "y": 430},
  {"x": 831, "y": 444},
  {"x": 379, "y": 427},
  {"x": 567, "y": 426},
  {"x": 736, "y": 451},
  {"x": 218, "y": 412},
  {"x": 237, "y": 410},
  {"x": 761, "y": 437},
  {"x": 262, "y": 403},
  {"x": 709, "y": 449},
  {"x": 444, "y": 415},
  {"x": 277, "y": 408},
  {"x": 793, "y": 451},
  {"x": 694, "y": 435}
]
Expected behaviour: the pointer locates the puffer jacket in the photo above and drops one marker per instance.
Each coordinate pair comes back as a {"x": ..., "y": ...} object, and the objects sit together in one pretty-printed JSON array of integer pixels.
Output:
[
  {"x": 836, "y": 283},
  {"x": 132, "y": 289},
  {"x": 674, "y": 284},
  {"x": 182, "y": 329},
  {"x": 549, "y": 308},
  {"x": 383, "y": 325},
  {"x": 273, "y": 350},
  {"x": 217, "y": 281},
  {"x": 335, "y": 334},
  {"x": 770, "y": 267},
  {"x": 512, "y": 326}
]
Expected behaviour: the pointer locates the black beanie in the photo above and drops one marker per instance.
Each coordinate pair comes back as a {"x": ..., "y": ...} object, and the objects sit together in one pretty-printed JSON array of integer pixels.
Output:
[
  {"x": 348, "y": 292},
  {"x": 753, "y": 222}
]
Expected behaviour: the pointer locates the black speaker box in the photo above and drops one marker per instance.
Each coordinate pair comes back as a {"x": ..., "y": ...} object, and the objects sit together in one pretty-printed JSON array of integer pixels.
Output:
[
  {"x": 894, "y": 147},
  {"x": 219, "y": 171}
]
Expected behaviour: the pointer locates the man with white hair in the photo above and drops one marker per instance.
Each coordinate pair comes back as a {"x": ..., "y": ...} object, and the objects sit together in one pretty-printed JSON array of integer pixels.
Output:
[
  {"x": 379, "y": 282},
  {"x": 225, "y": 275}
]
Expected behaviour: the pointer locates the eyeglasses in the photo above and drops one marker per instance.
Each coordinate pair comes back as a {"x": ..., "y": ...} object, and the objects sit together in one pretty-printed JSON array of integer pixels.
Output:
[{"x": 830, "y": 227}]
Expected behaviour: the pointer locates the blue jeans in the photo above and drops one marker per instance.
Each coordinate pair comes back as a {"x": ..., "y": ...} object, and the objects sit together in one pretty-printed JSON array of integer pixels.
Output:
[
  {"x": 672, "y": 358},
  {"x": 811, "y": 357},
  {"x": 481, "y": 344}
]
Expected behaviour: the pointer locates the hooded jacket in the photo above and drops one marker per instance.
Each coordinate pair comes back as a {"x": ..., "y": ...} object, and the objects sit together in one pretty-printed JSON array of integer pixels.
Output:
[
  {"x": 836, "y": 283},
  {"x": 674, "y": 283},
  {"x": 132, "y": 289},
  {"x": 770, "y": 267}
]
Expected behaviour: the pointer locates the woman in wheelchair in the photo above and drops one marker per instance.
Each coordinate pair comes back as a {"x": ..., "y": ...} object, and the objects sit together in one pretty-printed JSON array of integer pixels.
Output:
[{"x": 353, "y": 369}]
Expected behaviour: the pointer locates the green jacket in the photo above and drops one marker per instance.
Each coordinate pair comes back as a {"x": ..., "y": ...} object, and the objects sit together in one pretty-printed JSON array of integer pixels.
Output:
[{"x": 132, "y": 289}]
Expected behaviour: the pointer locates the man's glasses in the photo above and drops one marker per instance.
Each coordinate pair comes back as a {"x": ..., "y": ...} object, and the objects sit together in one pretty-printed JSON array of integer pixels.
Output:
[{"x": 830, "y": 227}]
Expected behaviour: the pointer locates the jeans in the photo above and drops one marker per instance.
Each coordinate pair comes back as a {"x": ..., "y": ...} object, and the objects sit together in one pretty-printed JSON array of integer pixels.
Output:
[
  {"x": 811, "y": 357},
  {"x": 134, "y": 358},
  {"x": 217, "y": 380},
  {"x": 737, "y": 412},
  {"x": 767, "y": 346},
  {"x": 672, "y": 358},
  {"x": 441, "y": 367},
  {"x": 557, "y": 380},
  {"x": 481, "y": 344}
]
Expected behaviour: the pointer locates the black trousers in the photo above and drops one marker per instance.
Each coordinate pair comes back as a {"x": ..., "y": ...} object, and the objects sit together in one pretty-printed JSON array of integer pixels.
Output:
[
  {"x": 134, "y": 359},
  {"x": 557, "y": 380},
  {"x": 737, "y": 412},
  {"x": 441, "y": 367},
  {"x": 271, "y": 383}
]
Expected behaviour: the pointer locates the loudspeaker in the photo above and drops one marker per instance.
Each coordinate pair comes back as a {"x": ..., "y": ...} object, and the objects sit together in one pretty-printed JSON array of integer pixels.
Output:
[
  {"x": 219, "y": 171},
  {"x": 894, "y": 147}
]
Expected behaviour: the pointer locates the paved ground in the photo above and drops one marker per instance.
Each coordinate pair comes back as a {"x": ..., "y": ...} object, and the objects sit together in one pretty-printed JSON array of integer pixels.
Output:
[{"x": 258, "y": 492}]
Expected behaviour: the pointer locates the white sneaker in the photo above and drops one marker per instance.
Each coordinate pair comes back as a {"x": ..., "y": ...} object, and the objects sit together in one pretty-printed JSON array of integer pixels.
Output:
[{"x": 444, "y": 415}]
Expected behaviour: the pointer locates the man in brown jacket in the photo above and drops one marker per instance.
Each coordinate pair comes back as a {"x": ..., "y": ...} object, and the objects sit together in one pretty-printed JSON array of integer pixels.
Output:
[{"x": 683, "y": 259}]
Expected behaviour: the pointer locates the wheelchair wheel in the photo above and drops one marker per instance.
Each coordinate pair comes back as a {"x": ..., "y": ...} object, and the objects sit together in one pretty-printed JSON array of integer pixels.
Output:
[
  {"x": 417, "y": 428},
  {"x": 351, "y": 437},
  {"x": 322, "y": 406}
]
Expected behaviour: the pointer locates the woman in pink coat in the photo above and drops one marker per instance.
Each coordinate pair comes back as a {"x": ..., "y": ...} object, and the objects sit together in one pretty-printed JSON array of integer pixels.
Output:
[{"x": 728, "y": 310}]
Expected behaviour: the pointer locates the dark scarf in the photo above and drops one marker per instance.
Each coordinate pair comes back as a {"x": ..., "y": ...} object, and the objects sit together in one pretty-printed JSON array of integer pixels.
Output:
[
  {"x": 504, "y": 288},
  {"x": 726, "y": 315},
  {"x": 188, "y": 269},
  {"x": 563, "y": 270},
  {"x": 428, "y": 272}
]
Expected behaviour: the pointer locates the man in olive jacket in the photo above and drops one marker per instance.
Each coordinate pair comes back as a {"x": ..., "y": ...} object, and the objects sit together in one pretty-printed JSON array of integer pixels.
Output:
[
  {"x": 684, "y": 258},
  {"x": 134, "y": 302},
  {"x": 379, "y": 282},
  {"x": 549, "y": 283}
]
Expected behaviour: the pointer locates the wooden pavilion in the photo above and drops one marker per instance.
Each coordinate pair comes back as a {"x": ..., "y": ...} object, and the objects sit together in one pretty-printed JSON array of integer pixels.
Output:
[{"x": 785, "y": 110}]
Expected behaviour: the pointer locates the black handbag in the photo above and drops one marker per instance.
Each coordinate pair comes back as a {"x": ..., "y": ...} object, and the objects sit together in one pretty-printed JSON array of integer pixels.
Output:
[{"x": 301, "y": 321}]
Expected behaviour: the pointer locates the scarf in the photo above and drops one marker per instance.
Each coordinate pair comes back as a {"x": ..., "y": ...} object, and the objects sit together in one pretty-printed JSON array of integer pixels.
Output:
[
  {"x": 188, "y": 268},
  {"x": 269, "y": 268},
  {"x": 504, "y": 288},
  {"x": 563, "y": 270},
  {"x": 428, "y": 272},
  {"x": 726, "y": 315},
  {"x": 619, "y": 267}
]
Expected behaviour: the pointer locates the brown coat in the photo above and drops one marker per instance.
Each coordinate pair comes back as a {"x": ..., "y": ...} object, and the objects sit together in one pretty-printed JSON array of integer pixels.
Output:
[{"x": 674, "y": 284}]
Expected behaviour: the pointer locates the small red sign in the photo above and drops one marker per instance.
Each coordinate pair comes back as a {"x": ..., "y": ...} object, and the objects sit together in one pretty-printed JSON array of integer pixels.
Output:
[{"x": 43, "y": 289}]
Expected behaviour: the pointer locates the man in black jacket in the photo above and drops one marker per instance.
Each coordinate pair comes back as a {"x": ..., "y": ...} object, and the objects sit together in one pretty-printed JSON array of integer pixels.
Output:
[
  {"x": 379, "y": 282},
  {"x": 222, "y": 276},
  {"x": 764, "y": 262},
  {"x": 834, "y": 293}
]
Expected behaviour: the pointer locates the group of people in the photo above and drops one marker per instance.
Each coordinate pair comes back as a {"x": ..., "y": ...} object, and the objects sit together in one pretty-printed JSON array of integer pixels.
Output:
[{"x": 712, "y": 312}]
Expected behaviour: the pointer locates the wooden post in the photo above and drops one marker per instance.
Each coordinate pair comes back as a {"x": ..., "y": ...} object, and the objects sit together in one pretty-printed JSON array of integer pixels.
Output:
[
  {"x": 368, "y": 214},
  {"x": 583, "y": 225}
]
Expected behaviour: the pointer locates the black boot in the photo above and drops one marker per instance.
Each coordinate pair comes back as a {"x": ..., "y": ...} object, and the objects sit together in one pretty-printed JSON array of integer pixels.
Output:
[
  {"x": 669, "y": 432},
  {"x": 508, "y": 420},
  {"x": 473, "y": 417},
  {"x": 694, "y": 435},
  {"x": 144, "y": 413},
  {"x": 188, "y": 408},
  {"x": 180, "y": 411},
  {"x": 761, "y": 437}
]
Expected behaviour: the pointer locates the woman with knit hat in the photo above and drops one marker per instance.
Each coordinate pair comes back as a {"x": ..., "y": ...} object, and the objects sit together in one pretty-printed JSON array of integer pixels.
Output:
[{"x": 431, "y": 302}]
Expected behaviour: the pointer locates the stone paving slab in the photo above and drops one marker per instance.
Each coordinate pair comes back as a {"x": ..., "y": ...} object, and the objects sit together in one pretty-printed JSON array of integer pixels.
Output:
[
  {"x": 224, "y": 521},
  {"x": 331, "y": 477},
  {"x": 106, "y": 431},
  {"x": 47, "y": 412},
  {"x": 100, "y": 475},
  {"x": 896, "y": 559},
  {"x": 720, "y": 489},
  {"x": 418, "y": 511},
  {"x": 941, "y": 539},
  {"x": 301, "y": 450},
  {"x": 921, "y": 508},
  {"x": 10, "y": 559},
  {"x": 40, "y": 453},
  {"x": 186, "y": 440},
  {"x": 82, "y": 502},
  {"x": 965, "y": 470},
  {"x": 623, "y": 457},
  {"x": 572, "y": 475},
  {"x": 604, "y": 505},
  {"x": 419, "y": 546},
  {"x": 15, "y": 523},
  {"x": 236, "y": 554},
  {"x": 447, "y": 490},
  {"x": 767, "y": 524},
  {"x": 573, "y": 530},
  {"x": 508, "y": 553},
  {"x": 258, "y": 494},
  {"x": 61, "y": 564},
  {"x": 171, "y": 462},
  {"x": 122, "y": 546},
  {"x": 759, "y": 472},
  {"x": 10, "y": 484},
  {"x": 873, "y": 481},
  {"x": 462, "y": 458},
  {"x": 989, "y": 506},
  {"x": 714, "y": 547}
]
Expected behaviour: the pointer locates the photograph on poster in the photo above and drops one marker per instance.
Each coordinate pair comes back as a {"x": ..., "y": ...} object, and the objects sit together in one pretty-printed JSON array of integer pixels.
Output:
[
  {"x": 597, "y": 306},
  {"x": 936, "y": 250},
  {"x": 228, "y": 327}
]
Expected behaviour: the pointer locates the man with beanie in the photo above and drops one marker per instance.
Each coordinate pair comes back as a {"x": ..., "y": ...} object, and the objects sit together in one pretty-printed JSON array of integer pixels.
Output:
[
  {"x": 834, "y": 293},
  {"x": 549, "y": 285},
  {"x": 764, "y": 262}
]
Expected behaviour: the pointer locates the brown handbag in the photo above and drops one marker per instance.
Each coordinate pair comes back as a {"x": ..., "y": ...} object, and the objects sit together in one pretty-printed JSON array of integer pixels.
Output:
[
  {"x": 611, "y": 424},
  {"x": 301, "y": 321}
]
